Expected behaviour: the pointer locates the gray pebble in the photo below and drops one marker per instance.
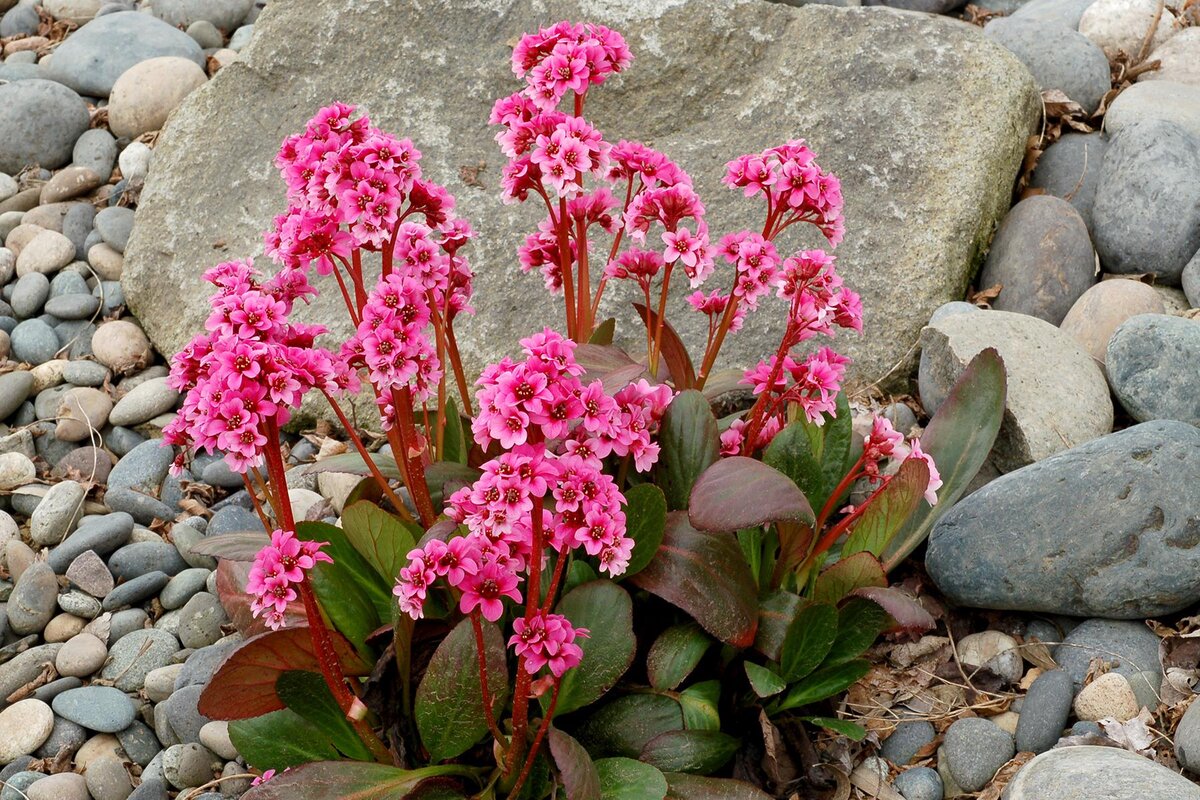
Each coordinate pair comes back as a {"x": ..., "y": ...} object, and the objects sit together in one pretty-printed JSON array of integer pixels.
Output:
[
  {"x": 14, "y": 390},
  {"x": 66, "y": 737},
  {"x": 139, "y": 558},
  {"x": 30, "y": 295},
  {"x": 96, "y": 149},
  {"x": 114, "y": 226},
  {"x": 122, "y": 441},
  {"x": 107, "y": 779},
  {"x": 136, "y": 590},
  {"x": 904, "y": 742},
  {"x": 85, "y": 373},
  {"x": 150, "y": 790},
  {"x": 73, "y": 306},
  {"x": 16, "y": 786},
  {"x": 184, "y": 715},
  {"x": 135, "y": 654},
  {"x": 201, "y": 620},
  {"x": 189, "y": 765},
  {"x": 182, "y": 587},
  {"x": 98, "y": 708},
  {"x": 34, "y": 342},
  {"x": 77, "y": 224},
  {"x": 919, "y": 783},
  {"x": 976, "y": 748},
  {"x": 104, "y": 534},
  {"x": 79, "y": 604},
  {"x": 139, "y": 743},
  {"x": 54, "y": 688},
  {"x": 1129, "y": 645},
  {"x": 1045, "y": 711},
  {"x": 32, "y": 602}
]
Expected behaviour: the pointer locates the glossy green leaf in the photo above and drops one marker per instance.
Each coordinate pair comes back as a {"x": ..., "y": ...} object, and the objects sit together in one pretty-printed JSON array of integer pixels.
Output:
[
  {"x": 623, "y": 726},
  {"x": 763, "y": 681},
  {"x": 307, "y": 695},
  {"x": 602, "y": 334},
  {"x": 843, "y": 577},
  {"x": 444, "y": 478},
  {"x": 888, "y": 509},
  {"x": 350, "y": 566},
  {"x": 456, "y": 444},
  {"x": 689, "y": 443},
  {"x": 604, "y": 608},
  {"x": 959, "y": 438},
  {"x": 449, "y": 703},
  {"x": 383, "y": 539},
  {"x": 860, "y": 621},
  {"x": 645, "y": 518},
  {"x": 696, "y": 787},
  {"x": 850, "y": 730},
  {"x": 825, "y": 682},
  {"x": 627, "y": 779},
  {"x": 808, "y": 640},
  {"x": 790, "y": 452},
  {"x": 700, "y": 752},
  {"x": 280, "y": 740},
  {"x": 739, "y": 492},
  {"x": 346, "y": 604},
  {"x": 675, "y": 653},
  {"x": 579, "y": 774},
  {"x": 699, "y": 704},
  {"x": 836, "y": 436},
  {"x": 775, "y": 613},
  {"x": 349, "y": 780},
  {"x": 579, "y": 573},
  {"x": 705, "y": 575}
]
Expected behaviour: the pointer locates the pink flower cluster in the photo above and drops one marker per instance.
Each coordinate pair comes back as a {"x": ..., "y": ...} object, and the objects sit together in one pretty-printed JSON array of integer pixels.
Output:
[
  {"x": 548, "y": 486},
  {"x": 277, "y": 568},
  {"x": 796, "y": 188},
  {"x": 250, "y": 367},
  {"x": 352, "y": 186},
  {"x": 885, "y": 442}
]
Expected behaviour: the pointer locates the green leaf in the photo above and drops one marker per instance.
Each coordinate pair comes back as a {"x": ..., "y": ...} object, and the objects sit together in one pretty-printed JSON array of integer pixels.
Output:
[
  {"x": 860, "y": 622},
  {"x": 349, "y": 780},
  {"x": 843, "y": 577},
  {"x": 689, "y": 443},
  {"x": 456, "y": 444},
  {"x": 837, "y": 434},
  {"x": 699, "y": 704},
  {"x": 705, "y": 575},
  {"x": 383, "y": 539},
  {"x": 626, "y": 779},
  {"x": 888, "y": 509},
  {"x": 307, "y": 695},
  {"x": 603, "y": 335},
  {"x": 696, "y": 787},
  {"x": 446, "y": 477},
  {"x": 739, "y": 492},
  {"x": 906, "y": 610},
  {"x": 623, "y": 726},
  {"x": 763, "y": 681},
  {"x": 790, "y": 452},
  {"x": 579, "y": 573},
  {"x": 280, "y": 740},
  {"x": 700, "y": 752},
  {"x": 353, "y": 464},
  {"x": 851, "y": 731},
  {"x": 350, "y": 566},
  {"x": 449, "y": 703},
  {"x": 604, "y": 608},
  {"x": 825, "y": 682},
  {"x": 345, "y": 603},
  {"x": 775, "y": 614},
  {"x": 808, "y": 640},
  {"x": 645, "y": 518},
  {"x": 959, "y": 438},
  {"x": 579, "y": 774},
  {"x": 675, "y": 653}
]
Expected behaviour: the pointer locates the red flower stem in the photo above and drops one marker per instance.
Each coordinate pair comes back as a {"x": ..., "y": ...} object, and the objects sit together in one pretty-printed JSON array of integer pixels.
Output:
[
  {"x": 658, "y": 326},
  {"x": 849, "y": 478},
  {"x": 360, "y": 291},
  {"x": 537, "y": 742},
  {"x": 533, "y": 601},
  {"x": 417, "y": 487},
  {"x": 583, "y": 289},
  {"x": 612, "y": 253},
  {"x": 456, "y": 362},
  {"x": 710, "y": 354},
  {"x": 562, "y": 227},
  {"x": 481, "y": 651},
  {"x": 757, "y": 417},
  {"x": 250, "y": 490},
  {"x": 384, "y": 486},
  {"x": 554, "y": 581},
  {"x": 346, "y": 294}
]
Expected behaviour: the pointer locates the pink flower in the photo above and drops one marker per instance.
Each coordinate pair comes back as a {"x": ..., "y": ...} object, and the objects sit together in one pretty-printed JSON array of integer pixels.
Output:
[
  {"x": 276, "y": 568},
  {"x": 682, "y": 247},
  {"x": 485, "y": 590},
  {"x": 547, "y": 640},
  {"x": 935, "y": 479}
]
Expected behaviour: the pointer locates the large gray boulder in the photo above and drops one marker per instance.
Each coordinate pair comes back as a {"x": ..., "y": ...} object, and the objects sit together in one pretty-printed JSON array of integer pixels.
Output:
[
  {"x": 923, "y": 119},
  {"x": 1097, "y": 773},
  {"x": 1107, "y": 529}
]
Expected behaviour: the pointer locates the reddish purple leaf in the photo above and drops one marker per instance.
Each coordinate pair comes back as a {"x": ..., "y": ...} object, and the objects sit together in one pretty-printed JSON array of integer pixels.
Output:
[
  {"x": 909, "y": 614},
  {"x": 354, "y": 780},
  {"x": 674, "y": 351},
  {"x": 739, "y": 492},
  {"x": 706, "y": 575},
  {"x": 235, "y": 546},
  {"x": 244, "y": 685},
  {"x": 579, "y": 774},
  {"x": 856, "y": 571}
]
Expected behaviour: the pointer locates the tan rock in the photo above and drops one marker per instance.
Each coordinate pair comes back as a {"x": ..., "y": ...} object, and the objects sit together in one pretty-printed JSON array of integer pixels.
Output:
[
  {"x": 107, "y": 262},
  {"x": 1101, "y": 309},
  {"x": 68, "y": 183},
  {"x": 81, "y": 411},
  {"x": 47, "y": 253},
  {"x": 21, "y": 236},
  {"x": 146, "y": 94},
  {"x": 121, "y": 346},
  {"x": 1110, "y": 695}
]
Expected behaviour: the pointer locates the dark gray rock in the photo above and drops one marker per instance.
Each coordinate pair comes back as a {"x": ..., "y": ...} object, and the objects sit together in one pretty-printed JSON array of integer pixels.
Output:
[
  {"x": 976, "y": 748},
  {"x": 73, "y": 306},
  {"x": 919, "y": 783},
  {"x": 154, "y": 789},
  {"x": 1042, "y": 257},
  {"x": 201, "y": 664},
  {"x": 91, "y": 59},
  {"x": 182, "y": 587},
  {"x": 1089, "y": 772},
  {"x": 1059, "y": 58},
  {"x": 142, "y": 468},
  {"x": 103, "y": 534},
  {"x": 1065, "y": 13},
  {"x": 98, "y": 708},
  {"x": 39, "y": 123},
  {"x": 136, "y": 590},
  {"x": 200, "y": 620},
  {"x": 139, "y": 558},
  {"x": 115, "y": 224},
  {"x": 24, "y": 667},
  {"x": 184, "y": 714},
  {"x": 66, "y": 737},
  {"x": 224, "y": 14},
  {"x": 1131, "y": 551},
  {"x": 96, "y": 149},
  {"x": 18, "y": 783},
  {"x": 1187, "y": 739},
  {"x": 139, "y": 743},
  {"x": 906, "y": 740},
  {"x": 1045, "y": 711},
  {"x": 1191, "y": 281},
  {"x": 77, "y": 224},
  {"x": 32, "y": 602},
  {"x": 14, "y": 390},
  {"x": 56, "y": 687},
  {"x": 1146, "y": 216},
  {"x": 33, "y": 341},
  {"x": 928, "y": 6},
  {"x": 1128, "y": 647},
  {"x": 1151, "y": 362},
  {"x": 233, "y": 519}
]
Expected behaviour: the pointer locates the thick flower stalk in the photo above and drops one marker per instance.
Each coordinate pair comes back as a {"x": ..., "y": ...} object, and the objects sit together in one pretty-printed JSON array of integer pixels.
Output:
[{"x": 545, "y": 498}]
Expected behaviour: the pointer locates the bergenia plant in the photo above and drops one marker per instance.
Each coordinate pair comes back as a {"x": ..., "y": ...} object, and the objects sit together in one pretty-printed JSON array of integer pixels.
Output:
[{"x": 465, "y": 620}]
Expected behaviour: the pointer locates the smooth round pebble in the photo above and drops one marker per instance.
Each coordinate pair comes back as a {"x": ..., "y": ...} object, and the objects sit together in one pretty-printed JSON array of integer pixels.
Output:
[
  {"x": 919, "y": 783},
  {"x": 99, "y": 708},
  {"x": 975, "y": 749},
  {"x": 122, "y": 346},
  {"x": 1110, "y": 695},
  {"x": 82, "y": 655},
  {"x": 24, "y": 726}
]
